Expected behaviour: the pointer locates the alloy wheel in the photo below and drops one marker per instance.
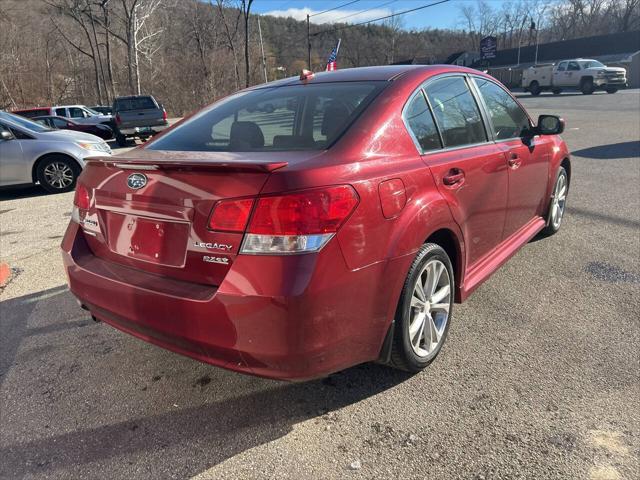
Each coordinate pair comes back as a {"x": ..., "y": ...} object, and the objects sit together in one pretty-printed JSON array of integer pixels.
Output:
[
  {"x": 429, "y": 309},
  {"x": 559, "y": 200},
  {"x": 58, "y": 175}
]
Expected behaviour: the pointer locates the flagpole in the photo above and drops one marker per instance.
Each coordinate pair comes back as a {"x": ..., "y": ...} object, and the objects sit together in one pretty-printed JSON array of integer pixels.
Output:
[
  {"x": 264, "y": 60},
  {"x": 308, "y": 43},
  {"x": 338, "y": 46}
]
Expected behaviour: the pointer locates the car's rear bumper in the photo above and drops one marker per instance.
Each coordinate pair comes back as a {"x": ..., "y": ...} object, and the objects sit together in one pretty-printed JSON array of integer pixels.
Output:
[
  {"x": 295, "y": 317},
  {"x": 143, "y": 131}
]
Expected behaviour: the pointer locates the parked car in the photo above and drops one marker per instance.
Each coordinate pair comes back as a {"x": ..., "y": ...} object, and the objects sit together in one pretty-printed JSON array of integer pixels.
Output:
[
  {"x": 579, "y": 74},
  {"x": 79, "y": 113},
  {"x": 31, "y": 152},
  {"x": 138, "y": 116},
  {"x": 299, "y": 243},
  {"x": 62, "y": 123},
  {"x": 103, "y": 109}
]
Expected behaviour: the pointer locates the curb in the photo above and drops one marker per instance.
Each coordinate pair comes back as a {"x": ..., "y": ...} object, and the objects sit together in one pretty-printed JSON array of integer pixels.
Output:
[{"x": 5, "y": 273}]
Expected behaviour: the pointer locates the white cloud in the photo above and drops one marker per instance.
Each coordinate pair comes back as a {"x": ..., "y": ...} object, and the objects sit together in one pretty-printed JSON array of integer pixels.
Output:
[{"x": 330, "y": 17}]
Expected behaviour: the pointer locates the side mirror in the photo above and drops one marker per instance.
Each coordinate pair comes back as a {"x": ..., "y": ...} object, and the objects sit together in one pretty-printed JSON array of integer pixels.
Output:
[
  {"x": 550, "y": 125},
  {"x": 6, "y": 135}
]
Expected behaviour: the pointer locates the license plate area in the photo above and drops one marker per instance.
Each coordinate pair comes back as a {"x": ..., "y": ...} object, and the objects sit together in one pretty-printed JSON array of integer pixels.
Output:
[{"x": 147, "y": 239}]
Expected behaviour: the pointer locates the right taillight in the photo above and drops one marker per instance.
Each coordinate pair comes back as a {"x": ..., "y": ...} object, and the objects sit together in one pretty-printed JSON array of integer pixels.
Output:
[
  {"x": 298, "y": 222},
  {"x": 118, "y": 119}
]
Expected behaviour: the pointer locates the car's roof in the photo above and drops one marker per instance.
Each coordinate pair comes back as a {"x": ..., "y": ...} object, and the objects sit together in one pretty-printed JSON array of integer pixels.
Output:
[
  {"x": 128, "y": 97},
  {"x": 362, "y": 74}
]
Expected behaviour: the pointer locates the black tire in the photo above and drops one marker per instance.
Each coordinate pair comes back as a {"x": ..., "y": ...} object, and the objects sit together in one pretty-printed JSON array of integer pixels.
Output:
[
  {"x": 534, "y": 88},
  {"x": 557, "y": 91},
  {"x": 612, "y": 90},
  {"x": 553, "y": 227},
  {"x": 403, "y": 355},
  {"x": 121, "y": 140},
  {"x": 58, "y": 163},
  {"x": 587, "y": 86}
]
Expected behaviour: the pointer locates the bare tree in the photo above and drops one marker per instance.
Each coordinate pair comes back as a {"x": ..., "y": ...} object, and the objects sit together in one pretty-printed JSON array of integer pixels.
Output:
[{"x": 231, "y": 36}]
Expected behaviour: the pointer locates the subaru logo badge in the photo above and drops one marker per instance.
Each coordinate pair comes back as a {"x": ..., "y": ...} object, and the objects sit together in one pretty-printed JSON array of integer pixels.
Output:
[{"x": 137, "y": 180}]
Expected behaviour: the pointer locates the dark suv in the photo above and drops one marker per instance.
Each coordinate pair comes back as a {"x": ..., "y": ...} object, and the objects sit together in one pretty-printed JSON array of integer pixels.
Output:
[{"x": 138, "y": 116}]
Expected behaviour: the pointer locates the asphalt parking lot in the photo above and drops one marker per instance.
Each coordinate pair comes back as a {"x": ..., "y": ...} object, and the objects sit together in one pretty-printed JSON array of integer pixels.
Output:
[{"x": 540, "y": 376}]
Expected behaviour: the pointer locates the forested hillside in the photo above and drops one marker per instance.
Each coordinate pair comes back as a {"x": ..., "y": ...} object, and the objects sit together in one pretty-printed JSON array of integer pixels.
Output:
[{"x": 189, "y": 52}]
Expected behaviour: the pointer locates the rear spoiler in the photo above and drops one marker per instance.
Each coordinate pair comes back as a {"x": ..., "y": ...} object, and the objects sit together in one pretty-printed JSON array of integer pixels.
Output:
[{"x": 196, "y": 164}]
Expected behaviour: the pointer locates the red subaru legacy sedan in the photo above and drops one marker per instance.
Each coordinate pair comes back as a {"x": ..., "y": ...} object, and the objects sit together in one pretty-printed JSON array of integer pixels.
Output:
[{"x": 310, "y": 224}]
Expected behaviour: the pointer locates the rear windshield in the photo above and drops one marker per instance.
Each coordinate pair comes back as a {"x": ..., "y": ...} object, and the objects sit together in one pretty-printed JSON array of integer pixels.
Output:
[
  {"x": 32, "y": 113},
  {"x": 138, "y": 103},
  {"x": 297, "y": 117}
]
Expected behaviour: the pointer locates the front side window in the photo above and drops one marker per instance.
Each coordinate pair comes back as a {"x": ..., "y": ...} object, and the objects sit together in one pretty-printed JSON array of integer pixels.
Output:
[
  {"x": 421, "y": 123},
  {"x": 456, "y": 112},
  {"x": 507, "y": 117},
  {"x": 75, "y": 112},
  {"x": 296, "y": 117}
]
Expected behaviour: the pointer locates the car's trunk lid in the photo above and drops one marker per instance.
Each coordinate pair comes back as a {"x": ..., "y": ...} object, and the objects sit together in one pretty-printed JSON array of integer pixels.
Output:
[{"x": 161, "y": 226}]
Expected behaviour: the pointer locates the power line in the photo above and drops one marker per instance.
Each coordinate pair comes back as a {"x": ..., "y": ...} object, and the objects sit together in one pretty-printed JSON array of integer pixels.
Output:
[
  {"x": 334, "y": 8},
  {"x": 364, "y": 11},
  {"x": 377, "y": 19}
]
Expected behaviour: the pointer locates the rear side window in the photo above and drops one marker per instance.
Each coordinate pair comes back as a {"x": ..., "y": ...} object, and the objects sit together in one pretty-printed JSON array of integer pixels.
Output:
[
  {"x": 61, "y": 111},
  {"x": 137, "y": 103},
  {"x": 562, "y": 67},
  {"x": 296, "y": 117},
  {"x": 456, "y": 112},
  {"x": 508, "y": 119},
  {"x": 420, "y": 122}
]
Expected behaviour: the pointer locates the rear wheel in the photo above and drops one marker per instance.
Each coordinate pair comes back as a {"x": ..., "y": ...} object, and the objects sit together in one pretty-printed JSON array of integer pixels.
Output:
[
  {"x": 121, "y": 140},
  {"x": 557, "y": 91},
  {"x": 534, "y": 88},
  {"x": 424, "y": 312},
  {"x": 587, "y": 86},
  {"x": 57, "y": 173},
  {"x": 612, "y": 90},
  {"x": 558, "y": 203}
]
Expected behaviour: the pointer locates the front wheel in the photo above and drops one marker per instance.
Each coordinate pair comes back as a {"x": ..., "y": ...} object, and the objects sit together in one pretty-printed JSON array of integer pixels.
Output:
[
  {"x": 587, "y": 87},
  {"x": 612, "y": 90},
  {"x": 57, "y": 174},
  {"x": 557, "y": 91},
  {"x": 558, "y": 203},
  {"x": 424, "y": 311}
]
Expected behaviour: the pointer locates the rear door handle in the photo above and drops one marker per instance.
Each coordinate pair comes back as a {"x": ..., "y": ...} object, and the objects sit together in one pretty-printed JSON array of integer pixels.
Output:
[{"x": 454, "y": 177}]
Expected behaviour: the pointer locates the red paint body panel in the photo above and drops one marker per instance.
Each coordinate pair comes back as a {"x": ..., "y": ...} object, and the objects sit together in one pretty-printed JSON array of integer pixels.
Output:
[{"x": 135, "y": 258}]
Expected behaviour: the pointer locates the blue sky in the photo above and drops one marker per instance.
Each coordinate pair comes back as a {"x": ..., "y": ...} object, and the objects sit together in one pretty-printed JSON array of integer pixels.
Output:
[{"x": 446, "y": 15}]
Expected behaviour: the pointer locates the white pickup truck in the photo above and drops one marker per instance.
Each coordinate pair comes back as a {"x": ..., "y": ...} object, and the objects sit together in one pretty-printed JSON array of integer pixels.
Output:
[{"x": 579, "y": 74}]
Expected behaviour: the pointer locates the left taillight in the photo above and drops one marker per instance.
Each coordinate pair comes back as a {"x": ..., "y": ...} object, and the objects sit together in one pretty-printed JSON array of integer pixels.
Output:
[
  {"x": 81, "y": 201},
  {"x": 81, "y": 198}
]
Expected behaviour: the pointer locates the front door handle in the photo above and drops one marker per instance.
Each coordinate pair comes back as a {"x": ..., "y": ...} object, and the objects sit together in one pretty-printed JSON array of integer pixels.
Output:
[
  {"x": 455, "y": 176},
  {"x": 514, "y": 160}
]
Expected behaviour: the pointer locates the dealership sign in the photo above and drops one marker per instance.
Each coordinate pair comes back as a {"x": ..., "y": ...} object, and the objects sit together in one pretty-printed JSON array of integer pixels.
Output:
[{"x": 488, "y": 48}]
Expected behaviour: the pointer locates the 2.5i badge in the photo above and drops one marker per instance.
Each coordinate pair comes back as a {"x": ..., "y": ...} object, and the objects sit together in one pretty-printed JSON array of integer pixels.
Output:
[{"x": 221, "y": 260}]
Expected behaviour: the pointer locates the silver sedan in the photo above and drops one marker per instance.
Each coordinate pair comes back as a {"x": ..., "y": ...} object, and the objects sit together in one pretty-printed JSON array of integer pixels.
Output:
[{"x": 31, "y": 152}]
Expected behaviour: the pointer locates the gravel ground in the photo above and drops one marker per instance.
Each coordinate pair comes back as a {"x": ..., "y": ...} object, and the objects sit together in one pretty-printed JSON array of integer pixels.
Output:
[{"x": 539, "y": 377}]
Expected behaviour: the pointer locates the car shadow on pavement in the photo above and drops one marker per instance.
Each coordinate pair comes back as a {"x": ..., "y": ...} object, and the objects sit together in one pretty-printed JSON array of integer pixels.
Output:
[
  {"x": 611, "y": 151},
  {"x": 233, "y": 412},
  {"x": 14, "y": 193}
]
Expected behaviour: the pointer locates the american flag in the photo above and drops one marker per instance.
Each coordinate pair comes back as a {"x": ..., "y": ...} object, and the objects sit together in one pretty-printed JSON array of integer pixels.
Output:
[{"x": 331, "y": 63}]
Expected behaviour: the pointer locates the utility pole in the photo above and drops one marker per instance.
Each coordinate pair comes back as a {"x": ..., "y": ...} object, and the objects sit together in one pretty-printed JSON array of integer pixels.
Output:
[
  {"x": 264, "y": 60},
  {"x": 308, "y": 43}
]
